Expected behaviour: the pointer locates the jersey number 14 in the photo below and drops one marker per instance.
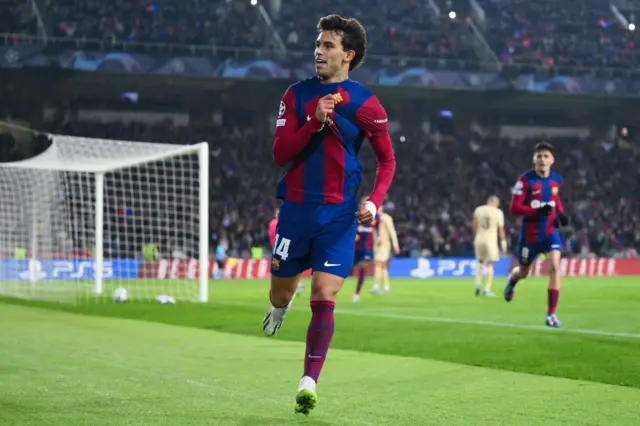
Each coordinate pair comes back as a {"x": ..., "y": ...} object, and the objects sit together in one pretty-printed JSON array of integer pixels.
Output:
[{"x": 281, "y": 247}]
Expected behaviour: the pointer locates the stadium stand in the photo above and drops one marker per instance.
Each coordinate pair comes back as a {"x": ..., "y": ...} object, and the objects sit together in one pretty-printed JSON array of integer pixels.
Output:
[
  {"x": 214, "y": 22},
  {"x": 17, "y": 18},
  {"x": 580, "y": 33},
  {"x": 576, "y": 33},
  {"x": 404, "y": 27}
]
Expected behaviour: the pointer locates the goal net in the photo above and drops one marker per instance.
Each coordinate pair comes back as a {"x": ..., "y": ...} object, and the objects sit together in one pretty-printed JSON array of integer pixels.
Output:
[{"x": 89, "y": 216}]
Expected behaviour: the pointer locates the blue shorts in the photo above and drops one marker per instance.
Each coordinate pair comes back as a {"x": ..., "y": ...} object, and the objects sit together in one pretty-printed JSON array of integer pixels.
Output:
[
  {"x": 527, "y": 253},
  {"x": 362, "y": 255},
  {"x": 316, "y": 236}
]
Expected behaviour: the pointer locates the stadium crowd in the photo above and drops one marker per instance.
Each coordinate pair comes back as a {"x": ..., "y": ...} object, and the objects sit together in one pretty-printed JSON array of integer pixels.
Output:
[
  {"x": 581, "y": 33},
  {"x": 571, "y": 33},
  {"x": 432, "y": 210}
]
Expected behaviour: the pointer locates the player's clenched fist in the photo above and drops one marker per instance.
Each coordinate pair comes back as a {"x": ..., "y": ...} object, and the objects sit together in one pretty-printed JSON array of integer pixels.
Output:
[{"x": 326, "y": 105}]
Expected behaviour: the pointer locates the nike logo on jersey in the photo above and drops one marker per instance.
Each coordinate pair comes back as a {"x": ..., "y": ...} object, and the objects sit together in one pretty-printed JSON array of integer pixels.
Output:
[
  {"x": 535, "y": 192},
  {"x": 329, "y": 265},
  {"x": 308, "y": 118}
]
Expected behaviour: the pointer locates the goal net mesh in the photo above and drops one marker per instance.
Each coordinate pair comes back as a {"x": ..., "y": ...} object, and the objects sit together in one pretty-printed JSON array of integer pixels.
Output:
[{"x": 151, "y": 218}]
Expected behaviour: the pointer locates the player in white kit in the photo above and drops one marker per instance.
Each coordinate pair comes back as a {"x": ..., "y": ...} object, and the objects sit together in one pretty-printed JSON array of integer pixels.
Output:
[
  {"x": 488, "y": 222},
  {"x": 386, "y": 239}
]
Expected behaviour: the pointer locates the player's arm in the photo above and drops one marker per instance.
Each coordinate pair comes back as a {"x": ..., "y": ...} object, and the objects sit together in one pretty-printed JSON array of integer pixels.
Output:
[
  {"x": 291, "y": 136},
  {"x": 272, "y": 234},
  {"x": 501, "y": 233},
  {"x": 393, "y": 234},
  {"x": 475, "y": 222},
  {"x": 518, "y": 196},
  {"x": 372, "y": 118},
  {"x": 562, "y": 219}
]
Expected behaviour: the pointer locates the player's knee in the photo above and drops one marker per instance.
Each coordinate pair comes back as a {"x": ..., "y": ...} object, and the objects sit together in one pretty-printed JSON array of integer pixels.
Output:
[
  {"x": 521, "y": 271},
  {"x": 554, "y": 268},
  {"x": 325, "y": 286},
  {"x": 282, "y": 290}
]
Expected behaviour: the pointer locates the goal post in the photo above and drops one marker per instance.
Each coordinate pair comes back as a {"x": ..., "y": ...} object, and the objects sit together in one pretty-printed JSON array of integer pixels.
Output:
[{"x": 88, "y": 216}]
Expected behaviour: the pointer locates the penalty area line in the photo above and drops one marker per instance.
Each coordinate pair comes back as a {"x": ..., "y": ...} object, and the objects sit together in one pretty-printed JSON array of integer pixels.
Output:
[{"x": 447, "y": 320}]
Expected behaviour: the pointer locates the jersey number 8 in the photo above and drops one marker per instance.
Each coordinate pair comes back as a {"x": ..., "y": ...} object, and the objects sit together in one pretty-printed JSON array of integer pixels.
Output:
[{"x": 281, "y": 247}]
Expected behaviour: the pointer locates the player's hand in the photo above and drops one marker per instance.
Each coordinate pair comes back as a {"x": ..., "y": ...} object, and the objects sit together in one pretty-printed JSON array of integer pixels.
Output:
[
  {"x": 326, "y": 105},
  {"x": 364, "y": 216},
  {"x": 396, "y": 249},
  {"x": 544, "y": 210},
  {"x": 561, "y": 221}
]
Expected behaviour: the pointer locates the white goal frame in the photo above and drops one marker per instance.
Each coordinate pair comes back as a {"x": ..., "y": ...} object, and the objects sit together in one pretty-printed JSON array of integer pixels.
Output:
[{"x": 53, "y": 160}]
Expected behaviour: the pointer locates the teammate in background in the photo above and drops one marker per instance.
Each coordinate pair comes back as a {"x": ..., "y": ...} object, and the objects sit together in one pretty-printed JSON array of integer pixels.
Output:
[
  {"x": 386, "y": 239},
  {"x": 536, "y": 197},
  {"x": 221, "y": 257},
  {"x": 273, "y": 224},
  {"x": 488, "y": 222},
  {"x": 320, "y": 128},
  {"x": 364, "y": 252},
  {"x": 272, "y": 228}
]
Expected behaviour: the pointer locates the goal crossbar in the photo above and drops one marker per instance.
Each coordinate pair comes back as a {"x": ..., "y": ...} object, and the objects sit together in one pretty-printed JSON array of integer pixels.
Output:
[{"x": 52, "y": 157}]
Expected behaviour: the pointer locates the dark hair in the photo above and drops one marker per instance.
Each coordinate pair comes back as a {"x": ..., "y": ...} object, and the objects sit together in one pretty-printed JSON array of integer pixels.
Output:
[
  {"x": 354, "y": 36},
  {"x": 543, "y": 146}
]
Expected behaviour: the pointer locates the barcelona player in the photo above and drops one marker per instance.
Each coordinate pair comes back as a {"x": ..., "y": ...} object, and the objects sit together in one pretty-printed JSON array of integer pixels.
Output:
[
  {"x": 321, "y": 125},
  {"x": 364, "y": 252},
  {"x": 536, "y": 196}
]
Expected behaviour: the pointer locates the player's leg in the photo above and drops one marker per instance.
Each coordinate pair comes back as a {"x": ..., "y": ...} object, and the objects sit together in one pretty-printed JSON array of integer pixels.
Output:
[
  {"x": 488, "y": 279},
  {"x": 385, "y": 278},
  {"x": 553, "y": 291},
  {"x": 480, "y": 258},
  {"x": 289, "y": 259},
  {"x": 362, "y": 259},
  {"x": 525, "y": 255},
  {"x": 220, "y": 271},
  {"x": 377, "y": 276},
  {"x": 331, "y": 259},
  {"x": 382, "y": 255}
]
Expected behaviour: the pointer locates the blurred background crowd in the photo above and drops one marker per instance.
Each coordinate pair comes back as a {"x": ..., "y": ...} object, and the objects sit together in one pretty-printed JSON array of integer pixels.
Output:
[
  {"x": 581, "y": 33},
  {"x": 437, "y": 185}
]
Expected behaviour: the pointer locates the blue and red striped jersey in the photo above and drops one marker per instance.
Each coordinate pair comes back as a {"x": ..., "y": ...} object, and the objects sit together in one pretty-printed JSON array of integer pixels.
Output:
[
  {"x": 366, "y": 235},
  {"x": 530, "y": 192},
  {"x": 323, "y": 157}
]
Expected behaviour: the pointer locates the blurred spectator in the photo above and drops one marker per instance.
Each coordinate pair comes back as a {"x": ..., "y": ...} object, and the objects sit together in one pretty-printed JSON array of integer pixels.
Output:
[{"x": 431, "y": 203}]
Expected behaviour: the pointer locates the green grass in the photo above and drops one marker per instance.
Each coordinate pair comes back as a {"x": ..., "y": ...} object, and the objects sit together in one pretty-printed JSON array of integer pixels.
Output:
[{"x": 430, "y": 353}]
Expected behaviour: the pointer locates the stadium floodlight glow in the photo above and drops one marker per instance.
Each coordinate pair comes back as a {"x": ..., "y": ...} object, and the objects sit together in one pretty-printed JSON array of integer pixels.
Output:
[
  {"x": 254, "y": 2},
  {"x": 632, "y": 27},
  {"x": 75, "y": 219},
  {"x": 452, "y": 15}
]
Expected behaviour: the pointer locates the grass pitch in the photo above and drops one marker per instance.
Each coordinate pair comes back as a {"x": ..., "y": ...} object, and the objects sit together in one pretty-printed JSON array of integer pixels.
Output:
[{"x": 429, "y": 353}]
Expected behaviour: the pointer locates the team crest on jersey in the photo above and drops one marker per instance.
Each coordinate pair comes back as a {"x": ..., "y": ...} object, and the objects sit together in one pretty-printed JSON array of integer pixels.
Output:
[
  {"x": 275, "y": 264},
  {"x": 281, "y": 110},
  {"x": 554, "y": 191}
]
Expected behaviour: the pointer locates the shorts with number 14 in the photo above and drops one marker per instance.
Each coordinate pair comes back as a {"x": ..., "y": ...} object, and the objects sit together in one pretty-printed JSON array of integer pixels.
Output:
[{"x": 316, "y": 236}]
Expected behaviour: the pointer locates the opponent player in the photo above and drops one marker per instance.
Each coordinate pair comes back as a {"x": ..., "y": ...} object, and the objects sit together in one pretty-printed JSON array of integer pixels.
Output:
[
  {"x": 536, "y": 197},
  {"x": 273, "y": 224},
  {"x": 320, "y": 128},
  {"x": 386, "y": 239},
  {"x": 364, "y": 252},
  {"x": 488, "y": 222}
]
